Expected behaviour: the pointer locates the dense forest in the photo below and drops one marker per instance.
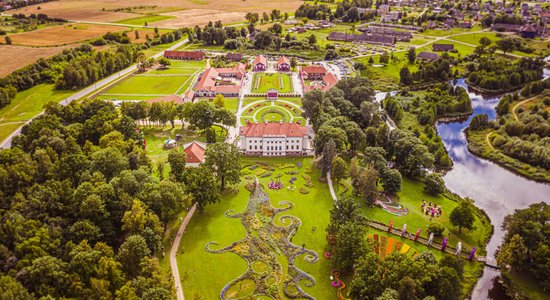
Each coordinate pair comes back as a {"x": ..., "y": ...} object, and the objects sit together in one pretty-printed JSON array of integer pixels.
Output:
[
  {"x": 498, "y": 74},
  {"x": 526, "y": 247},
  {"x": 83, "y": 213}
]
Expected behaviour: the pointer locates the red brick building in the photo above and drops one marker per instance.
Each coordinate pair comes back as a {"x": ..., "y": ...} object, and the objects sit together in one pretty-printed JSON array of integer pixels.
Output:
[{"x": 186, "y": 55}]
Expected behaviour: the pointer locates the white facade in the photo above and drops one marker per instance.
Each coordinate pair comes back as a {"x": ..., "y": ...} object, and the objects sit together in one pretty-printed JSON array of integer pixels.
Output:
[{"x": 273, "y": 145}]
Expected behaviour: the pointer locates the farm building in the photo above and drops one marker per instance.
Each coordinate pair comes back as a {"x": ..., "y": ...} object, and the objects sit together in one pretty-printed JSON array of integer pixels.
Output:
[
  {"x": 194, "y": 153},
  {"x": 506, "y": 27},
  {"x": 283, "y": 64},
  {"x": 378, "y": 39},
  {"x": 188, "y": 55},
  {"x": 316, "y": 78},
  {"x": 260, "y": 63},
  {"x": 427, "y": 56},
  {"x": 528, "y": 31},
  {"x": 225, "y": 81},
  {"x": 442, "y": 47},
  {"x": 275, "y": 139},
  {"x": 401, "y": 36}
]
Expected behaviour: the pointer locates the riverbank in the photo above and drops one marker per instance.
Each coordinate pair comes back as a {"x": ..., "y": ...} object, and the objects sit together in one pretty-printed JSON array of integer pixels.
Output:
[{"x": 478, "y": 144}]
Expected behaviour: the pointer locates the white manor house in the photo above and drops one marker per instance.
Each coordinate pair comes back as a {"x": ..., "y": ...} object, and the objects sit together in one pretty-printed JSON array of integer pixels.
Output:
[{"x": 275, "y": 139}]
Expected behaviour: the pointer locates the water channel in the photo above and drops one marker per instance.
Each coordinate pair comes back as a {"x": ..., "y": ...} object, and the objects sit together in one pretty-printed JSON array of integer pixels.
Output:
[{"x": 494, "y": 189}]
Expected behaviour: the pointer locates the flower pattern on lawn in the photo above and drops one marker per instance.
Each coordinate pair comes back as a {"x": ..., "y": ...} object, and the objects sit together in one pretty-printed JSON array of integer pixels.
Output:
[{"x": 269, "y": 244}]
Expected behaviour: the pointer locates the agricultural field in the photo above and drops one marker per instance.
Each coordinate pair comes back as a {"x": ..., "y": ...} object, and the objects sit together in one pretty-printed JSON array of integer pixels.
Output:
[
  {"x": 61, "y": 35},
  {"x": 144, "y": 19},
  {"x": 15, "y": 57},
  {"x": 175, "y": 80},
  {"x": 262, "y": 82}
]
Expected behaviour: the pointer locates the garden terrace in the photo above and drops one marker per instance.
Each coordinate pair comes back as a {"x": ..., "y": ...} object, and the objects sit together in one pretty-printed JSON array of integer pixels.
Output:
[{"x": 262, "y": 82}]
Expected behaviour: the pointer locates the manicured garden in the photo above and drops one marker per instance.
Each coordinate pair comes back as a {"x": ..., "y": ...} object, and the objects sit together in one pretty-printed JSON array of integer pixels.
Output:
[
  {"x": 268, "y": 111},
  {"x": 205, "y": 274},
  {"x": 262, "y": 82}
]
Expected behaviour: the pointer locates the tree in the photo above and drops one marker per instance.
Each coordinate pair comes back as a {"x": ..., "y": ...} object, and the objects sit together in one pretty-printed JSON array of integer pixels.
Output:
[
  {"x": 434, "y": 184},
  {"x": 506, "y": 45},
  {"x": 411, "y": 55},
  {"x": 384, "y": 58},
  {"x": 367, "y": 184},
  {"x": 263, "y": 40},
  {"x": 8, "y": 40},
  {"x": 391, "y": 181},
  {"x": 11, "y": 289},
  {"x": 513, "y": 253},
  {"x": 389, "y": 294},
  {"x": 48, "y": 276},
  {"x": 177, "y": 160},
  {"x": 277, "y": 28},
  {"x": 338, "y": 169},
  {"x": 350, "y": 246},
  {"x": 405, "y": 77},
  {"x": 219, "y": 101},
  {"x": 136, "y": 34},
  {"x": 485, "y": 41},
  {"x": 331, "y": 54},
  {"x": 131, "y": 252},
  {"x": 329, "y": 152},
  {"x": 293, "y": 63},
  {"x": 164, "y": 62},
  {"x": 201, "y": 184},
  {"x": 462, "y": 216},
  {"x": 436, "y": 228},
  {"x": 224, "y": 160},
  {"x": 312, "y": 39}
]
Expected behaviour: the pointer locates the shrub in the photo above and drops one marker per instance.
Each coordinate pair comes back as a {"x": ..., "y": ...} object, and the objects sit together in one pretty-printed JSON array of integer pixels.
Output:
[
  {"x": 304, "y": 190},
  {"x": 437, "y": 229}
]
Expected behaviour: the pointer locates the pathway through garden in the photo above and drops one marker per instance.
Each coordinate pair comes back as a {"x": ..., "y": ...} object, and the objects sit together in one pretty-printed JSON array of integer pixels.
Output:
[{"x": 174, "y": 252}]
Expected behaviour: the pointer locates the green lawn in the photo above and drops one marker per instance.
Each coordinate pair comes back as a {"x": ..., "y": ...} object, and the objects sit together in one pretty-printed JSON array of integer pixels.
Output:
[
  {"x": 143, "y": 19},
  {"x": 150, "y": 85},
  {"x": 474, "y": 37},
  {"x": 411, "y": 197},
  {"x": 232, "y": 104},
  {"x": 205, "y": 274},
  {"x": 263, "y": 82},
  {"x": 26, "y": 105}
]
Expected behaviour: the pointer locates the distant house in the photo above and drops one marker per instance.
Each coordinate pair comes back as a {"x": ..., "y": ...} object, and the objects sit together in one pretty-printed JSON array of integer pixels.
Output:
[
  {"x": 501, "y": 27},
  {"x": 187, "y": 55},
  {"x": 450, "y": 22},
  {"x": 317, "y": 73},
  {"x": 442, "y": 47},
  {"x": 194, "y": 153},
  {"x": 260, "y": 63},
  {"x": 313, "y": 72},
  {"x": 465, "y": 24},
  {"x": 234, "y": 56},
  {"x": 283, "y": 64},
  {"x": 528, "y": 31},
  {"x": 427, "y": 56}
]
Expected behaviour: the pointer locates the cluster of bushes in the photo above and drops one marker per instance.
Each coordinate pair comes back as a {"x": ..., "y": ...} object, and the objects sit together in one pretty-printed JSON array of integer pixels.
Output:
[
  {"x": 348, "y": 12},
  {"x": 444, "y": 100},
  {"x": 439, "y": 70},
  {"x": 313, "y": 11},
  {"x": 498, "y": 74},
  {"x": 19, "y": 4}
]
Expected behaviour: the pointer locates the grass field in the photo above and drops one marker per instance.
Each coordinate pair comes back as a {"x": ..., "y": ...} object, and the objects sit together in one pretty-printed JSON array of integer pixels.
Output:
[
  {"x": 149, "y": 85},
  {"x": 205, "y": 274},
  {"x": 26, "y": 105},
  {"x": 263, "y": 82}
]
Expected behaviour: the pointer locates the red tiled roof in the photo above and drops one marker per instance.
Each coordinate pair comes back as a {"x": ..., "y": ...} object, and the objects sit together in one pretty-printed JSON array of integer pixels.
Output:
[
  {"x": 314, "y": 70},
  {"x": 260, "y": 59},
  {"x": 283, "y": 60},
  {"x": 273, "y": 129},
  {"x": 170, "y": 98},
  {"x": 329, "y": 80},
  {"x": 184, "y": 54},
  {"x": 208, "y": 79},
  {"x": 194, "y": 153}
]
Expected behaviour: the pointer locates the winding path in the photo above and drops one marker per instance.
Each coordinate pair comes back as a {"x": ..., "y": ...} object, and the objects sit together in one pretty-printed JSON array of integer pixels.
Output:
[
  {"x": 488, "y": 141},
  {"x": 174, "y": 252},
  {"x": 518, "y": 105}
]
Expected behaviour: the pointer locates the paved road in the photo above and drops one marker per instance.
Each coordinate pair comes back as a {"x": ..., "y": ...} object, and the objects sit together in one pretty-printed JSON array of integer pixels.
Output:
[
  {"x": 102, "y": 83},
  {"x": 174, "y": 252}
]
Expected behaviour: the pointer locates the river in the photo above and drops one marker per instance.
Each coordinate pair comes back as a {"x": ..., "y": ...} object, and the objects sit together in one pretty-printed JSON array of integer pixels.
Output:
[{"x": 494, "y": 189}]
